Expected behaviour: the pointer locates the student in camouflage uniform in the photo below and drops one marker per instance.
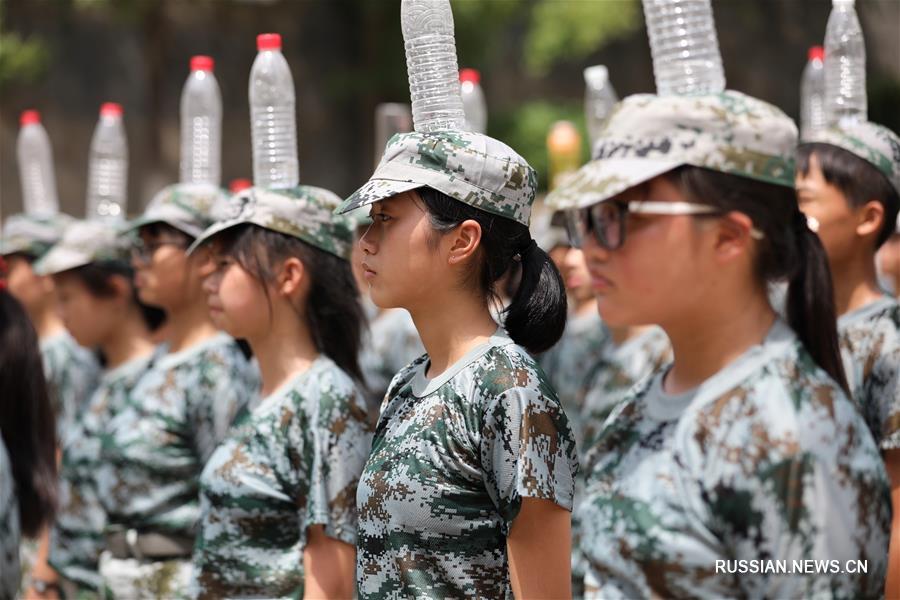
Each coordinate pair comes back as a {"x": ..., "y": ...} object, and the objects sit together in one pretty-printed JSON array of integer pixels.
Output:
[
  {"x": 99, "y": 308},
  {"x": 747, "y": 447},
  {"x": 27, "y": 463},
  {"x": 277, "y": 497},
  {"x": 848, "y": 182},
  {"x": 154, "y": 446},
  {"x": 468, "y": 488}
]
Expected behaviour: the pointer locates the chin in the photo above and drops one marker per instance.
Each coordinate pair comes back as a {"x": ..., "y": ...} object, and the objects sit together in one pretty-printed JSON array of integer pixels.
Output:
[{"x": 615, "y": 314}]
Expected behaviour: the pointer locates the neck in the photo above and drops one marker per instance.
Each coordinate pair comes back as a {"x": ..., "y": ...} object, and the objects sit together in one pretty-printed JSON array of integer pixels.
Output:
[
  {"x": 855, "y": 283},
  {"x": 129, "y": 341},
  {"x": 284, "y": 352},
  {"x": 448, "y": 334},
  {"x": 46, "y": 322},
  {"x": 188, "y": 325},
  {"x": 620, "y": 335},
  {"x": 716, "y": 335},
  {"x": 585, "y": 306}
]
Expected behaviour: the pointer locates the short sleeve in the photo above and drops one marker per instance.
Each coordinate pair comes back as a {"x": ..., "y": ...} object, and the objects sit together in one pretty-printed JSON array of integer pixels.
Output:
[
  {"x": 882, "y": 388},
  {"x": 342, "y": 439},
  {"x": 527, "y": 450}
]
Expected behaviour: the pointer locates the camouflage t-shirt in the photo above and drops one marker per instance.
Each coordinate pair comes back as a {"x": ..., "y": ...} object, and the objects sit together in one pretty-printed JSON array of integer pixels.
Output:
[
  {"x": 569, "y": 362},
  {"x": 72, "y": 373},
  {"x": 767, "y": 459},
  {"x": 154, "y": 448},
  {"x": 76, "y": 539},
  {"x": 294, "y": 463},
  {"x": 870, "y": 347},
  {"x": 393, "y": 342},
  {"x": 10, "y": 574},
  {"x": 451, "y": 460}
]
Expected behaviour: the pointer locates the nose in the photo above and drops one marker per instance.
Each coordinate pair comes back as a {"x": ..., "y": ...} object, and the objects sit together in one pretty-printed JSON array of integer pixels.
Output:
[
  {"x": 591, "y": 251},
  {"x": 367, "y": 242},
  {"x": 573, "y": 258}
]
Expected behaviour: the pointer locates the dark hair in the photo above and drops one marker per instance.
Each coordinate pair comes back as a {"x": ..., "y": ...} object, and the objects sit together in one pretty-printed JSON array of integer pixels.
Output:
[
  {"x": 26, "y": 417},
  {"x": 333, "y": 311},
  {"x": 159, "y": 228},
  {"x": 536, "y": 317},
  {"x": 789, "y": 251},
  {"x": 97, "y": 276},
  {"x": 857, "y": 179}
]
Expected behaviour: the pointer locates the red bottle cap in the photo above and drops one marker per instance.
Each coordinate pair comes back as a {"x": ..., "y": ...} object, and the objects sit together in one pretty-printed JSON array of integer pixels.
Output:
[
  {"x": 29, "y": 117},
  {"x": 817, "y": 53},
  {"x": 237, "y": 185},
  {"x": 110, "y": 109},
  {"x": 268, "y": 41},
  {"x": 202, "y": 63},
  {"x": 469, "y": 75}
]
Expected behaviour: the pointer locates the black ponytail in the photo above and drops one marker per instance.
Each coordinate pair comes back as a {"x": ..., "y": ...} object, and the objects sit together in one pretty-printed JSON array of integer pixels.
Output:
[
  {"x": 536, "y": 317},
  {"x": 333, "y": 311},
  {"x": 789, "y": 251},
  {"x": 26, "y": 417}
]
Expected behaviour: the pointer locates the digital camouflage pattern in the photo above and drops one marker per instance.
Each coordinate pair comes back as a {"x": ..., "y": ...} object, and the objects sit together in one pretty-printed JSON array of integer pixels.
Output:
[
  {"x": 83, "y": 243},
  {"x": 293, "y": 464},
  {"x": 132, "y": 579},
  {"x": 10, "y": 573},
  {"x": 451, "y": 460},
  {"x": 153, "y": 449},
  {"x": 392, "y": 343},
  {"x": 32, "y": 235},
  {"x": 72, "y": 373},
  {"x": 647, "y": 135},
  {"x": 303, "y": 212},
  {"x": 767, "y": 459},
  {"x": 76, "y": 538},
  {"x": 188, "y": 207},
  {"x": 870, "y": 346},
  {"x": 471, "y": 167},
  {"x": 567, "y": 364},
  {"x": 875, "y": 144}
]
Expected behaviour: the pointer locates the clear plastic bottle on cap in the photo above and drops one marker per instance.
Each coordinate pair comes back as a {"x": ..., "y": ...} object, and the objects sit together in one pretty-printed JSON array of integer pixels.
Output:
[
  {"x": 273, "y": 120},
  {"x": 36, "y": 172},
  {"x": 390, "y": 118},
  {"x": 812, "y": 94},
  {"x": 201, "y": 124},
  {"x": 599, "y": 98},
  {"x": 431, "y": 65},
  {"x": 845, "y": 65},
  {"x": 108, "y": 166},
  {"x": 474, "y": 104},
  {"x": 685, "y": 47}
]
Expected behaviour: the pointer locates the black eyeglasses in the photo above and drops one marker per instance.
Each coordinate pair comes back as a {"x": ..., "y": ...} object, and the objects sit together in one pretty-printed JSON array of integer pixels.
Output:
[{"x": 606, "y": 220}]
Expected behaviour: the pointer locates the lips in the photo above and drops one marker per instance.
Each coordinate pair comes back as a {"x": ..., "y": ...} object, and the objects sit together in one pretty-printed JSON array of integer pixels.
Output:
[{"x": 368, "y": 272}]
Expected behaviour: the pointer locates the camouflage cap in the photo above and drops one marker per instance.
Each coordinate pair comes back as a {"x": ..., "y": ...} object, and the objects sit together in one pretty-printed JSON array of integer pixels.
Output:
[
  {"x": 188, "y": 207},
  {"x": 303, "y": 212},
  {"x": 32, "y": 234},
  {"x": 85, "y": 242},
  {"x": 473, "y": 168},
  {"x": 873, "y": 143},
  {"x": 646, "y": 136}
]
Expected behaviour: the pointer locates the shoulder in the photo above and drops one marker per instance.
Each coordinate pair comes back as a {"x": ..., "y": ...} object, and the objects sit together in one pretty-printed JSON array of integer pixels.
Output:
[{"x": 332, "y": 390}]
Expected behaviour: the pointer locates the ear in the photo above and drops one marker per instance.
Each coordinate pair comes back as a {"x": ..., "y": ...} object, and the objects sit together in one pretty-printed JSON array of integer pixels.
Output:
[
  {"x": 122, "y": 287},
  {"x": 463, "y": 241},
  {"x": 733, "y": 236},
  {"x": 292, "y": 277},
  {"x": 870, "y": 218}
]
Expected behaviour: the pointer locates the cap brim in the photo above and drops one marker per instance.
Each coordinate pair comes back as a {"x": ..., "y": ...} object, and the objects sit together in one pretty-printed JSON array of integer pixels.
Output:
[
  {"x": 601, "y": 180},
  {"x": 212, "y": 231},
  {"x": 374, "y": 190},
  {"x": 151, "y": 220}
]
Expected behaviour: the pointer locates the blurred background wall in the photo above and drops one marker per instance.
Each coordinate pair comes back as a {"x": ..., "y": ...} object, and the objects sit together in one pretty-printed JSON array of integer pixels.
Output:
[{"x": 65, "y": 57}]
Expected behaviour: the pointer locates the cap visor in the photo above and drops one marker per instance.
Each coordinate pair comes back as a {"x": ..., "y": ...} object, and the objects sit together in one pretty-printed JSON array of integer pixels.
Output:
[
  {"x": 375, "y": 190},
  {"x": 603, "y": 179}
]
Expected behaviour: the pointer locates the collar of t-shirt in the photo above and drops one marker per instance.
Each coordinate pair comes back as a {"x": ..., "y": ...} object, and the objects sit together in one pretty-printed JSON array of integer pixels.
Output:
[
  {"x": 866, "y": 311},
  {"x": 169, "y": 360},
  {"x": 126, "y": 369},
  {"x": 291, "y": 384},
  {"x": 422, "y": 386},
  {"x": 666, "y": 407}
]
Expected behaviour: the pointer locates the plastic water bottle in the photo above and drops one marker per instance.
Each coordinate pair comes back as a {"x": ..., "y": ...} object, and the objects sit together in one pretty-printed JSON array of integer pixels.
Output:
[
  {"x": 108, "y": 166},
  {"x": 845, "y": 65},
  {"x": 599, "y": 98},
  {"x": 273, "y": 118},
  {"x": 431, "y": 65},
  {"x": 239, "y": 185},
  {"x": 812, "y": 94},
  {"x": 36, "y": 166},
  {"x": 474, "y": 105},
  {"x": 390, "y": 118},
  {"x": 685, "y": 48},
  {"x": 201, "y": 125}
]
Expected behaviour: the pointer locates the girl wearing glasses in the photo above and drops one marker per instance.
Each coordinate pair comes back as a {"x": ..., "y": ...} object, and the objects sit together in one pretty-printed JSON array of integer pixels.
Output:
[
  {"x": 469, "y": 485},
  {"x": 155, "y": 445},
  {"x": 277, "y": 497},
  {"x": 745, "y": 455}
]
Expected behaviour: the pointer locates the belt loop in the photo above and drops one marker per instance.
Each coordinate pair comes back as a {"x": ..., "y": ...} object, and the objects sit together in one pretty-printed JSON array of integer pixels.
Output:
[{"x": 131, "y": 539}]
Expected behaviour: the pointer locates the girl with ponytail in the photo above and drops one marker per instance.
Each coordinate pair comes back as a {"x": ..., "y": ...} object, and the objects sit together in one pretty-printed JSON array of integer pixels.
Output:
[
  {"x": 746, "y": 447},
  {"x": 277, "y": 509},
  {"x": 469, "y": 486}
]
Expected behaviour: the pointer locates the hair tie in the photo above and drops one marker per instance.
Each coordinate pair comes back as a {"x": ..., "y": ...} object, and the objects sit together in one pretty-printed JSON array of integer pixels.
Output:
[
  {"x": 804, "y": 224},
  {"x": 525, "y": 250}
]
